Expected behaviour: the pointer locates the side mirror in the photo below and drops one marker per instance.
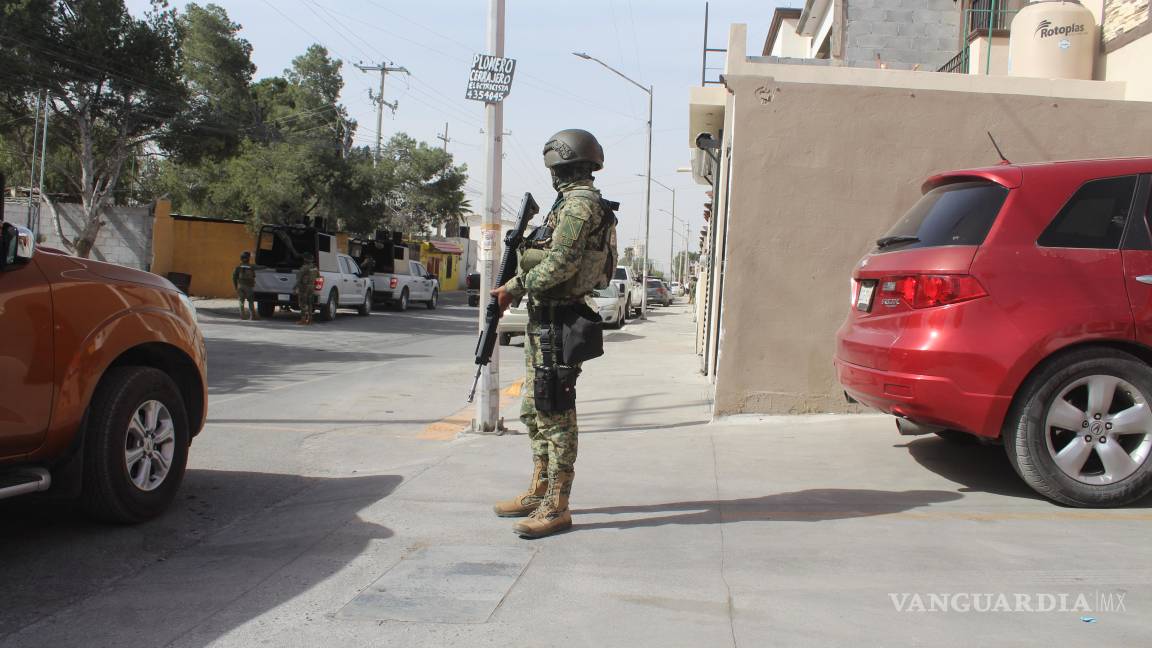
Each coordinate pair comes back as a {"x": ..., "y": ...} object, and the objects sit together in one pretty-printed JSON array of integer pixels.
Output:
[
  {"x": 17, "y": 243},
  {"x": 429, "y": 276}
]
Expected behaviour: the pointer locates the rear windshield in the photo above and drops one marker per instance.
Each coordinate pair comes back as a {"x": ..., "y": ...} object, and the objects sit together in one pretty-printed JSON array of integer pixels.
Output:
[
  {"x": 955, "y": 214},
  {"x": 284, "y": 247},
  {"x": 621, "y": 273},
  {"x": 609, "y": 292},
  {"x": 655, "y": 283}
]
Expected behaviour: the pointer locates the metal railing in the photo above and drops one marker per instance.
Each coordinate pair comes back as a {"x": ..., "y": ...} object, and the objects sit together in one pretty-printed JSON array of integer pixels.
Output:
[
  {"x": 957, "y": 64},
  {"x": 988, "y": 16}
]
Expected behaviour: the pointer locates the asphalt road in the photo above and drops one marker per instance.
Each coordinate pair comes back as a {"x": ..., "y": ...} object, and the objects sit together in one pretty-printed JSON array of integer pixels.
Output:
[{"x": 292, "y": 412}]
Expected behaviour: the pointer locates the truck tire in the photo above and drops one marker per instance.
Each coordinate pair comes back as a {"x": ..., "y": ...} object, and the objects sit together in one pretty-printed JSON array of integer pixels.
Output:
[
  {"x": 621, "y": 319},
  {"x": 505, "y": 339},
  {"x": 135, "y": 447},
  {"x": 329, "y": 312},
  {"x": 402, "y": 303},
  {"x": 1060, "y": 434},
  {"x": 473, "y": 300},
  {"x": 365, "y": 309},
  {"x": 431, "y": 303},
  {"x": 266, "y": 309}
]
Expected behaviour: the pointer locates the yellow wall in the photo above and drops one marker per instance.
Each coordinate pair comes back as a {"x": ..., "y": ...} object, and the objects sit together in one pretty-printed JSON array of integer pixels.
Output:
[
  {"x": 206, "y": 249},
  {"x": 429, "y": 257}
]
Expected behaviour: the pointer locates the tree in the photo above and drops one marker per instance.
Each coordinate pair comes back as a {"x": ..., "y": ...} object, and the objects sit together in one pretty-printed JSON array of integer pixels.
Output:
[
  {"x": 112, "y": 83},
  {"x": 427, "y": 190}
]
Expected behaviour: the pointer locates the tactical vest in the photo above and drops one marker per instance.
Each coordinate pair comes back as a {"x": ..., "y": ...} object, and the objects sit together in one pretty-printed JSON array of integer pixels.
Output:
[{"x": 246, "y": 277}]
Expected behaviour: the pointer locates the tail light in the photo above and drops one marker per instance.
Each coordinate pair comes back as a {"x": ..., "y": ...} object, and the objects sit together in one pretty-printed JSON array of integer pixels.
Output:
[
  {"x": 393, "y": 282},
  {"x": 318, "y": 285},
  {"x": 927, "y": 291}
]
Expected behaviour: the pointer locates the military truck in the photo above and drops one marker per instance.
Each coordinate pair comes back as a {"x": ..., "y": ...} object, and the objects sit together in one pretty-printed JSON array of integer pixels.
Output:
[
  {"x": 280, "y": 253},
  {"x": 397, "y": 280}
]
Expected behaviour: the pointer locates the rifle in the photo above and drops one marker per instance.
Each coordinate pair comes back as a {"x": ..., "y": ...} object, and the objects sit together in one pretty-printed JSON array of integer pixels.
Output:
[{"x": 512, "y": 240}]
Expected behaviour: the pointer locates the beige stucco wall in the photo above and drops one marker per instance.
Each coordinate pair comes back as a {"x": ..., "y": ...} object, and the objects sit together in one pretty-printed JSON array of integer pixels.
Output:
[
  {"x": 819, "y": 171},
  {"x": 978, "y": 55},
  {"x": 1132, "y": 63}
]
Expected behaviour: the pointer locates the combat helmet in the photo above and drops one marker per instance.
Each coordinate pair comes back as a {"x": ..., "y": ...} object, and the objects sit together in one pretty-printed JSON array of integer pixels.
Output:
[
  {"x": 573, "y": 145},
  {"x": 245, "y": 255}
]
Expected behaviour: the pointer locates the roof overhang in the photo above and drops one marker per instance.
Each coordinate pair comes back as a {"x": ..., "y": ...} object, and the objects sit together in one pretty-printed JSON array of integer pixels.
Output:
[
  {"x": 778, "y": 18},
  {"x": 812, "y": 16}
]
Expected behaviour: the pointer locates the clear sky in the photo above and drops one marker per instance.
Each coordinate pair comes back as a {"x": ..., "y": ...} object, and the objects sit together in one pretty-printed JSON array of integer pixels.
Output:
[{"x": 656, "y": 42}]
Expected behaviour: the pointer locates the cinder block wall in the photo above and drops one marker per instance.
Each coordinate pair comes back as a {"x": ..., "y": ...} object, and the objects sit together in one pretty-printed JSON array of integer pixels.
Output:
[
  {"x": 125, "y": 238},
  {"x": 904, "y": 33},
  {"x": 819, "y": 171}
]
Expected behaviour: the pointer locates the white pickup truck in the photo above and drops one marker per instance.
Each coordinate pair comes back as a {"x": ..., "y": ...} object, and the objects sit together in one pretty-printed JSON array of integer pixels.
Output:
[
  {"x": 279, "y": 255},
  {"x": 630, "y": 285},
  {"x": 396, "y": 280}
]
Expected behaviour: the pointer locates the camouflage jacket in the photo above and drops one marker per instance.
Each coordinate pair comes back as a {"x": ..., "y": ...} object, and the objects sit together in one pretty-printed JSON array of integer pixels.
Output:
[
  {"x": 572, "y": 261},
  {"x": 306, "y": 279},
  {"x": 244, "y": 276}
]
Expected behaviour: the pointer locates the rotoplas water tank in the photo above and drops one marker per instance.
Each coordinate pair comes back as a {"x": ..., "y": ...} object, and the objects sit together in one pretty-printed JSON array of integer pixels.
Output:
[{"x": 1053, "y": 39}]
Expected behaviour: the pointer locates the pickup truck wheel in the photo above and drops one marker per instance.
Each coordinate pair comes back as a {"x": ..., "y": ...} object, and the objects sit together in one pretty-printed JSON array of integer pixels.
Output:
[
  {"x": 505, "y": 339},
  {"x": 136, "y": 445},
  {"x": 473, "y": 300},
  {"x": 1080, "y": 432},
  {"x": 365, "y": 309},
  {"x": 266, "y": 309},
  {"x": 329, "y": 312},
  {"x": 431, "y": 303},
  {"x": 402, "y": 303},
  {"x": 621, "y": 319}
]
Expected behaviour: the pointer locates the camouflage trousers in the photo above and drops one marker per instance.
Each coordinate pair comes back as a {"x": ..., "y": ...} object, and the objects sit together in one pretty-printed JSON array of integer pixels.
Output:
[
  {"x": 552, "y": 434},
  {"x": 307, "y": 302},
  {"x": 247, "y": 295}
]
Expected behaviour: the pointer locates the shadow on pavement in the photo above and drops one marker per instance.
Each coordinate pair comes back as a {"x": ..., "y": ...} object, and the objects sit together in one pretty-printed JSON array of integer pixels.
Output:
[
  {"x": 814, "y": 505},
  {"x": 978, "y": 468},
  {"x": 238, "y": 365},
  {"x": 233, "y": 546}
]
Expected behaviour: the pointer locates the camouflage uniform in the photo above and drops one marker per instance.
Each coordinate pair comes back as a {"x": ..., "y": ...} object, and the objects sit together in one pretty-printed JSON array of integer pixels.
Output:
[
  {"x": 244, "y": 281},
  {"x": 306, "y": 290},
  {"x": 570, "y": 266}
]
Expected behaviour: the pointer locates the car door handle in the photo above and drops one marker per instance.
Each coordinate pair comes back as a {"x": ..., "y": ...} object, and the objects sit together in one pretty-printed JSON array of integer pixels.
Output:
[{"x": 1144, "y": 279}]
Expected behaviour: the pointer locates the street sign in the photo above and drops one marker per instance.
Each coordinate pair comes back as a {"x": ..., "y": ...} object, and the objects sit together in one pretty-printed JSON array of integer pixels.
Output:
[{"x": 490, "y": 79}]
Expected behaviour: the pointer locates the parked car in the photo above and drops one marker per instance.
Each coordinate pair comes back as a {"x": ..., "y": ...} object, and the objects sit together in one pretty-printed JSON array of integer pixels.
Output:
[
  {"x": 658, "y": 294},
  {"x": 612, "y": 304},
  {"x": 103, "y": 384},
  {"x": 633, "y": 289},
  {"x": 472, "y": 284},
  {"x": 279, "y": 256},
  {"x": 397, "y": 280},
  {"x": 676, "y": 289},
  {"x": 1014, "y": 303}
]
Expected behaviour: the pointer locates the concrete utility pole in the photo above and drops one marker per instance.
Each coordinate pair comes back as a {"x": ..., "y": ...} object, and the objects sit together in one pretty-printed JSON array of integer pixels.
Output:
[
  {"x": 32, "y": 165},
  {"x": 384, "y": 70},
  {"x": 35, "y": 227},
  {"x": 487, "y": 419}
]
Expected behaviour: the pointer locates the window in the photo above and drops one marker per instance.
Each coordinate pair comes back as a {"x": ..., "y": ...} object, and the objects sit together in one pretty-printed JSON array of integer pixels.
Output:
[
  {"x": 1094, "y": 217},
  {"x": 448, "y": 275},
  {"x": 961, "y": 213},
  {"x": 621, "y": 273},
  {"x": 344, "y": 265},
  {"x": 324, "y": 243}
]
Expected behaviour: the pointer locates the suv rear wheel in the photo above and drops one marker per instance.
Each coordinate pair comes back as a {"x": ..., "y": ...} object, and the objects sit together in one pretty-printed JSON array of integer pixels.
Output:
[
  {"x": 136, "y": 445},
  {"x": 365, "y": 309},
  {"x": 402, "y": 303},
  {"x": 1081, "y": 430},
  {"x": 431, "y": 303}
]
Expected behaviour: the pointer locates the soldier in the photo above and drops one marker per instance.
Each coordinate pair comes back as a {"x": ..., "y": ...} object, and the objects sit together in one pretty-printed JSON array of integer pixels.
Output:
[
  {"x": 565, "y": 266},
  {"x": 244, "y": 281},
  {"x": 306, "y": 289}
]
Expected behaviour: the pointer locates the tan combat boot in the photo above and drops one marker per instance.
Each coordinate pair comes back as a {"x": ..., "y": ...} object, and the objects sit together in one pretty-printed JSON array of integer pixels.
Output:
[
  {"x": 553, "y": 515},
  {"x": 255, "y": 315},
  {"x": 528, "y": 501},
  {"x": 243, "y": 312}
]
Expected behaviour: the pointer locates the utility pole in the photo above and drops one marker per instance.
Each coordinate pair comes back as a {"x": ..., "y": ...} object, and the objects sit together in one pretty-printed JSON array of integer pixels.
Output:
[
  {"x": 487, "y": 419},
  {"x": 444, "y": 138},
  {"x": 43, "y": 163},
  {"x": 384, "y": 70},
  {"x": 32, "y": 165}
]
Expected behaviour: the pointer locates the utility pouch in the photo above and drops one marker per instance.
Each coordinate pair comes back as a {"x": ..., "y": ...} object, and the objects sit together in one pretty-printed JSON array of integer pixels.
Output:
[
  {"x": 582, "y": 334},
  {"x": 554, "y": 388}
]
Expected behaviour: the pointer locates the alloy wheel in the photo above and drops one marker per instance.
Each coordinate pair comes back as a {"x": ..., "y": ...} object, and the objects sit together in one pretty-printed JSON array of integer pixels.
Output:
[
  {"x": 150, "y": 445},
  {"x": 1099, "y": 429}
]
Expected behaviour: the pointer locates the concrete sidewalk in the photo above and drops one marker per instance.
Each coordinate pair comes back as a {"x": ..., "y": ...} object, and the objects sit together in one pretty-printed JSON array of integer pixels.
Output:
[{"x": 788, "y": 531}]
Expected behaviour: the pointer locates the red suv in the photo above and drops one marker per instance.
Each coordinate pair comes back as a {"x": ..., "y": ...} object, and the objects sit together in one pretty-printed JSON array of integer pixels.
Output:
[{"x": 1014, "y": 303}]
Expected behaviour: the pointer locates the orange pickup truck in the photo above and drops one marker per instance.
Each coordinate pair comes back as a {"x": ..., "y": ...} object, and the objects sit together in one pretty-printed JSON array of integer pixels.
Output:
[{"x": 102, "y": 381}]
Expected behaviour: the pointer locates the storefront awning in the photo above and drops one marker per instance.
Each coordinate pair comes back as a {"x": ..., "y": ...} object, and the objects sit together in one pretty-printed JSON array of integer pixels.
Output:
[{"x": 447, "y": 248}]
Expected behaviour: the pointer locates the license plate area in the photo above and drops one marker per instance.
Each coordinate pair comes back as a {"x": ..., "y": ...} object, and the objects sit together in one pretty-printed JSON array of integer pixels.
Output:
[
  {"x": 865, "y": 294},
  {"x": 284, "y": 297}
]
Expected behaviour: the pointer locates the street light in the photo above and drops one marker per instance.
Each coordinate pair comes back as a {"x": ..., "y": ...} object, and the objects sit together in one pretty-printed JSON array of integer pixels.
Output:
[
  {"x": 648, "y": 174},
  {"x": 671, "y": 242},
  {"x": 684, "y": 259}
]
